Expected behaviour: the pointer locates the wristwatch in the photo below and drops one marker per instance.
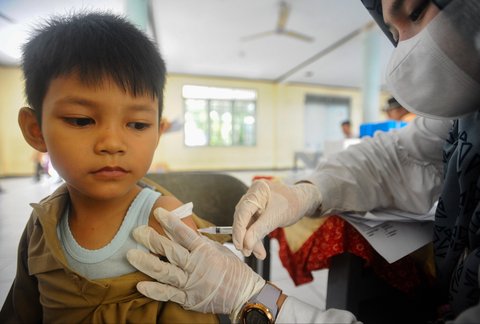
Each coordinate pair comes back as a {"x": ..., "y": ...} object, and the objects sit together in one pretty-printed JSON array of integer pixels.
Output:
[{"x": 261, "y": 308}]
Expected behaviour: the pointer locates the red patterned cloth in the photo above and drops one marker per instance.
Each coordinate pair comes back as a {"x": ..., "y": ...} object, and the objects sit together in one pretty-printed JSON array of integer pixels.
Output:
[{"x": 336, "y": 236}]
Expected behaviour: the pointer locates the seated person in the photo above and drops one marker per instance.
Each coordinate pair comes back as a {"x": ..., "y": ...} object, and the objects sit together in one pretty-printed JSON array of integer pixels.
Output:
[
  {"x": 95, "y": 87},
  {"x": 347, "y": 129},
  {"x": 395, "y": 111}
]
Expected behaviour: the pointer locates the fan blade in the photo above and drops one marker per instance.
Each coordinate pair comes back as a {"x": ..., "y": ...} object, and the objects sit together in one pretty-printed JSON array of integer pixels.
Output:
[
  {"x": 152, "y": 22},
  {"x": 283, "y": 15},
  {"x": 299, "y": 36},
  {"x": 258, "y": 35},
  {"x": 7, "y": 18}
]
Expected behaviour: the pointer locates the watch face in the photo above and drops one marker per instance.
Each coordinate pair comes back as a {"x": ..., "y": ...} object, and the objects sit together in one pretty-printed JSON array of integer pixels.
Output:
[{"x": 255, "y": 316}]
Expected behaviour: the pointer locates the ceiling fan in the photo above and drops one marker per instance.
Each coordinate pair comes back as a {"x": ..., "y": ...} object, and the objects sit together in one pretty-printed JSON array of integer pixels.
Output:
[
  {"x": 280, "y": 28},
  {"x": 6, "y": 18}
]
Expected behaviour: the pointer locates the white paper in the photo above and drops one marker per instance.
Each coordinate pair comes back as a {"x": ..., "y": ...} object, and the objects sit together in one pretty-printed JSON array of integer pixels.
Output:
[
  {"x": 394, "y": 240},
  {"x": 378, "y": 216}
]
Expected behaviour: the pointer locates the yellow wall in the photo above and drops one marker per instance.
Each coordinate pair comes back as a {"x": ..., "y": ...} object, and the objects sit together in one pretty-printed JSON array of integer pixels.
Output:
[
  {"x": 15, "y": 153},
  {"x": 280, "y": 110}
]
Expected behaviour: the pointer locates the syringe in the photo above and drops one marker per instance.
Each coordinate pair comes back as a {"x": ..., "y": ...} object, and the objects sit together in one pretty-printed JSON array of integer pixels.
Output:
[{"x": 216, "y": 230}]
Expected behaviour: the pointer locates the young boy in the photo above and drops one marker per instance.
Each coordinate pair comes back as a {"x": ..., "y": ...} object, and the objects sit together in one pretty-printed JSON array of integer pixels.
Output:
[{"x": 95, "y": 86}]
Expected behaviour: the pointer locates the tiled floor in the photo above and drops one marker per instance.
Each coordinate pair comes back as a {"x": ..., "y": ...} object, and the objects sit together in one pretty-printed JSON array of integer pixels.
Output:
[{"x": 14, "y": 212}]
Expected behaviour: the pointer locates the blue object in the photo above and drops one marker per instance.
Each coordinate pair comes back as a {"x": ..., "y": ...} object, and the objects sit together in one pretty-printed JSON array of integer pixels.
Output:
[{"x": 368, "y": 129}]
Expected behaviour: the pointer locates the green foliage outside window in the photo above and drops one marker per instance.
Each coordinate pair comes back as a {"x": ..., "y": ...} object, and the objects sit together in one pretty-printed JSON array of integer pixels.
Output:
[{"x": 220, "y": 121}]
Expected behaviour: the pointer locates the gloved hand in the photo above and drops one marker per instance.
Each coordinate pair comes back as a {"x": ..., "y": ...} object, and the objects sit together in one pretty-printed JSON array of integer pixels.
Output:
[
  {"x": 202, "y": 275},
  {"x": 268, "y": 205}
]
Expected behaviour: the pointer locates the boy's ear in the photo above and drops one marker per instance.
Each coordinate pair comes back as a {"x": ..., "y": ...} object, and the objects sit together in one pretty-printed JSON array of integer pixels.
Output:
[
  {"x": 164, "y": 125},
  {"x": 31, "y": 129}
]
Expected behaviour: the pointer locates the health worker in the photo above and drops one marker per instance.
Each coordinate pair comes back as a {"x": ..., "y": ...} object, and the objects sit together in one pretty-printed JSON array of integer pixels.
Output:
[{"x": 434, "y": 72}]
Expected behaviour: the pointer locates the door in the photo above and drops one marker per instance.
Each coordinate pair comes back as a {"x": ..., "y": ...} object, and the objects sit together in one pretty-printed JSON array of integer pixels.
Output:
[{"x": 323, "y": 119}]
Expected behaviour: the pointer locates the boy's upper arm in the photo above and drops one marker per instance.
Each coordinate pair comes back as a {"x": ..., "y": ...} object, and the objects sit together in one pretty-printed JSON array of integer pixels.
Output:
[
  {"x": 168, "y": 203},
  {"x": 193, "y": 221}
]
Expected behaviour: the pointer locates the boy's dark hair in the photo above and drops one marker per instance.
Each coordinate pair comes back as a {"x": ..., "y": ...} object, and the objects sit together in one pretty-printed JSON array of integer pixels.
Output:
[
  {"x": 94, "y": 45},
  {"x": 346, "y": 122}
]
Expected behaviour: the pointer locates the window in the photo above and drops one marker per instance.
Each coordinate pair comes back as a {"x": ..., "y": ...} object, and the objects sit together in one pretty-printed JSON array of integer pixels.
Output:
[{"x": 219, "y": 116}]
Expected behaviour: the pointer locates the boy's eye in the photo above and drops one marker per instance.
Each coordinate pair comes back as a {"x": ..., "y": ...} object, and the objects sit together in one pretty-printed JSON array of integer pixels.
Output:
[
  {"x": 138, "y": 125},
  {"x": 79, "y": 121}
]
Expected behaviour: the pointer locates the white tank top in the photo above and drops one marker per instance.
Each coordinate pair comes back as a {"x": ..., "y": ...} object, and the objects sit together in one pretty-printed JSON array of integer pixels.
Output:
[{"x": 110, "y": 260}]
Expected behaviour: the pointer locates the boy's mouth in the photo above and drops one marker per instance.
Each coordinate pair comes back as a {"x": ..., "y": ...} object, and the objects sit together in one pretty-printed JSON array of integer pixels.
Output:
[{"x": 110, "y": 171}]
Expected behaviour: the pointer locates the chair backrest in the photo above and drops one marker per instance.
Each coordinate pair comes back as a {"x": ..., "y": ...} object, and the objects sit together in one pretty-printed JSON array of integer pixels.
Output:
[{"x": 214, "y": 195}]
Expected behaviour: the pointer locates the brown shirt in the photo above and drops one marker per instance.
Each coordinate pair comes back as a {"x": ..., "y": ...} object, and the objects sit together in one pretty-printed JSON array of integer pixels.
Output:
[{"x": 45, "y": 289}]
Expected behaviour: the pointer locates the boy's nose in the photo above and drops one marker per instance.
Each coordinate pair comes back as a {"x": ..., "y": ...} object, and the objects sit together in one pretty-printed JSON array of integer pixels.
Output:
[{"x": 110, "y": 141}]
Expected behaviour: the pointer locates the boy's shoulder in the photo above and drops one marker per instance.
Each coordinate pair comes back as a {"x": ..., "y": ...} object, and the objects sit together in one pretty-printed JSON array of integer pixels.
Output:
[
  {"x": 60, "y": 193},
  {"x": 147, "y": 183},
  {"x": 167, "y": 200},
  {"x": 51, "y": 204}
]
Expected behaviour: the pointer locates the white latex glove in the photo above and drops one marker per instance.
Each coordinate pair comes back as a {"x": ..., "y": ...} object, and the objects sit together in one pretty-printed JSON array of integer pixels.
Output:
[
  {"x": 268, "y": 205},
  {"x": 202, "y": 275}
]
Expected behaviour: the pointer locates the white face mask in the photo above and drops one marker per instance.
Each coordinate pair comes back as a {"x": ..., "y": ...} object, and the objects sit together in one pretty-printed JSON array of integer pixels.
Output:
[{"x": 426, "y": 73}]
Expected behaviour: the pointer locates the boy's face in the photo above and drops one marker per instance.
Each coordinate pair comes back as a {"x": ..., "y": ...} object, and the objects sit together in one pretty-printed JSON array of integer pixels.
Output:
[{"x": 101, "y": 140}]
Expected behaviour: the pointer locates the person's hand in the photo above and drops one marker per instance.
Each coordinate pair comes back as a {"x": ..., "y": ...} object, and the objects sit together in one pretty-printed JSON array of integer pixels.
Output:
[
  {"x": 268, "y": 205},
  {"x": 202, "y": 275}
]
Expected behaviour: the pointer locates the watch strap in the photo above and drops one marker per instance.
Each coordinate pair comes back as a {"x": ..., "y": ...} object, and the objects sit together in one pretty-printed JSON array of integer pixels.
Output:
[{"x": 268, "y": 296}]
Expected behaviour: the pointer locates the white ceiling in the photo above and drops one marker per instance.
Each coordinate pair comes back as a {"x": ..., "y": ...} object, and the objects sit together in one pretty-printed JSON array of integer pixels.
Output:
[{"x": 206, "y": 37}]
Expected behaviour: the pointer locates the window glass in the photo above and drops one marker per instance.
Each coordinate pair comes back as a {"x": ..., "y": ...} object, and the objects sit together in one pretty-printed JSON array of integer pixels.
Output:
[
  {"x": 219, "y": 116},
  {"x": 196, "y": 122}
]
